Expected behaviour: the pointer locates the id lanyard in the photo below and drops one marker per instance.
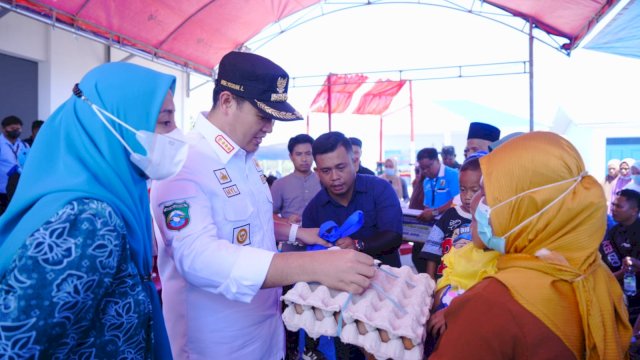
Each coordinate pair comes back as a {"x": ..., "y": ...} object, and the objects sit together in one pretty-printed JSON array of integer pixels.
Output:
[
  {"x": 434, "y": 182},
  {"x": 15, "y": 152}
]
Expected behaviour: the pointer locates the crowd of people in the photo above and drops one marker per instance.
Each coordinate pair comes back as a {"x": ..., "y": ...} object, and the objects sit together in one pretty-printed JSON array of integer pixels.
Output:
[
  {"x": 530, "y": 254},
  {"x": 13, "y": 154}
]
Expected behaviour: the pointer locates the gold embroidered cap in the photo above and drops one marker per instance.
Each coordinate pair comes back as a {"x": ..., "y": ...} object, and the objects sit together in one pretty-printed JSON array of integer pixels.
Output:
[{"x": 259, "y": 80}]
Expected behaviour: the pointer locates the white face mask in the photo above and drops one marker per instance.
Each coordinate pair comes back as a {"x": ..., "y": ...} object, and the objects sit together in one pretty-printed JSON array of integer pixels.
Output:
[
  {"x": 166, "y": 153},
  {"x": 483, "y": 213}
]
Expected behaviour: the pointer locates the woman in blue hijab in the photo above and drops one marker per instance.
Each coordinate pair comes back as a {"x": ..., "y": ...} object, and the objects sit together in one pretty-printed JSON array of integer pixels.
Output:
[{"x": 75, "y": 242}]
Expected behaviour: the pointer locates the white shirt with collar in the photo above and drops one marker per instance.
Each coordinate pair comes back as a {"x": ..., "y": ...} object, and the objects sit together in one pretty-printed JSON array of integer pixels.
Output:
[
  {"x": 216, "y": 244},
  {"x": 10, "y": 156}
]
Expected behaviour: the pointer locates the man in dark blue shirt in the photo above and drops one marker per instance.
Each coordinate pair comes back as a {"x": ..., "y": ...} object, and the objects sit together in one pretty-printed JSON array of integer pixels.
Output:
[
  {"x": 343, "y": 192},
  {"x": 356, "y": 146},
  {"x": 622, "y": 241}
]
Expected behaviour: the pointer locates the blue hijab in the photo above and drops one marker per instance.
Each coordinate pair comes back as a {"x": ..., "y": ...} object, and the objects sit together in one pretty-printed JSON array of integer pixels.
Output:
[{"x": 76, "y": 156}]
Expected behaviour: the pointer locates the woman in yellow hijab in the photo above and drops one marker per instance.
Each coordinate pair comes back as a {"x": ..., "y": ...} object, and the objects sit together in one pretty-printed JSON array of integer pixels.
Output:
[{"x": 552, "y": 297}]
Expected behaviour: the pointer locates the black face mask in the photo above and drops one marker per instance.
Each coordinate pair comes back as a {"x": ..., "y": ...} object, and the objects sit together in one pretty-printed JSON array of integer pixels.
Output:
[{"x": 14, "y": 134}]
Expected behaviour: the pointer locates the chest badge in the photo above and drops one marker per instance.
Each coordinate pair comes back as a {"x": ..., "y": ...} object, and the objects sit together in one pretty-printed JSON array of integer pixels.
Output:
[
  {"x": 176, "y": 215},
  {"x": 242, "y": 235},
  {"x": 257, "y": 165},
  {"x": 224, "y": 144},
  {"x": 222, "y": 175},
  {"x": 231, "y": 191}
]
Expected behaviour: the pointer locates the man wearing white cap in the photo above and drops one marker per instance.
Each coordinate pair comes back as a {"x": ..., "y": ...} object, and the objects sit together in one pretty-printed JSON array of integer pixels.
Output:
[
  {"x": 613, "y": 167},
  {"x": 634, "y": 184}
]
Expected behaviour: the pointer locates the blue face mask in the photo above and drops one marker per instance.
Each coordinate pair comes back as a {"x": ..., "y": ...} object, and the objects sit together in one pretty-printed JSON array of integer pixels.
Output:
[
  {"x": 485, "y": 232},
  {"x": 483, "y": 212}
]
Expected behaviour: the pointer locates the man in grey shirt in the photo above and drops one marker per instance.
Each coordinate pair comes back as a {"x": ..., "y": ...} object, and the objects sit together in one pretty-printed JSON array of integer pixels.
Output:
[{"x": 291, "y": 193}]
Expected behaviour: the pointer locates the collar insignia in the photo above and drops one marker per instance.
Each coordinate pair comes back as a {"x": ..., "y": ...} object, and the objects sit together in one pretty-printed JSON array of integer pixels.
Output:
[{"x": 224, "y": 144}]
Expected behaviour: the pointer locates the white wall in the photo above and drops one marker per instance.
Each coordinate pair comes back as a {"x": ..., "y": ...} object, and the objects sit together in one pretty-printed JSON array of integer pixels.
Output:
[
  {"x": 591, "y": 142},
  {"x": 63, "y": 58},
  {"x": 69, "y": 58},
  {"x": 22, "y": 37}
]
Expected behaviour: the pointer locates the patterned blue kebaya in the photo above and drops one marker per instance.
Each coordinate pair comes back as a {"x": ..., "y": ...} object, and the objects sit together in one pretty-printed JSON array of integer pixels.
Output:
[
  {"x": 73, "y": 292},
  {"x": 75, "y": 251}
]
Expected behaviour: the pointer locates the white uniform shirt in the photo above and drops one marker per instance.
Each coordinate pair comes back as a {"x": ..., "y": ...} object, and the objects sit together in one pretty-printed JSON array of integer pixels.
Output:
[
  {"x": 10, "y": 156},
  {"x": 216, "y": 225}
]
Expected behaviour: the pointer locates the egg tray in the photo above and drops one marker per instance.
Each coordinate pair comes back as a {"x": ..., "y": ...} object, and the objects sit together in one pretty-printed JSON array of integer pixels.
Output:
[{"x": 387, "y": 320}]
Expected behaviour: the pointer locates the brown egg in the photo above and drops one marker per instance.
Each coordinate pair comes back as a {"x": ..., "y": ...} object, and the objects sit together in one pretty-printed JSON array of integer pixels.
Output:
[
  {"x": 319, "y": 314},
  {"x": 408, "y": 344},
  {"x": 361, "y": 328},
  {"x": 384, "y": 335}
]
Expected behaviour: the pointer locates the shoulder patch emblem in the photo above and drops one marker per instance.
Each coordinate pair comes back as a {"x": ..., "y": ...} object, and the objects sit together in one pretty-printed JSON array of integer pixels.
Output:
[
  {"x": 222, "y": 175},
  {"x": 242, "y": 235},
  {"x": 176, "y": 215},
  {"x": 224, "y": 144}
]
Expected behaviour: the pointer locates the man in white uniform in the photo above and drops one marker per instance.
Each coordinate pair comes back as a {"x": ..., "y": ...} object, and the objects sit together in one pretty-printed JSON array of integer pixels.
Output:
[{"x": 220, "y": 271}]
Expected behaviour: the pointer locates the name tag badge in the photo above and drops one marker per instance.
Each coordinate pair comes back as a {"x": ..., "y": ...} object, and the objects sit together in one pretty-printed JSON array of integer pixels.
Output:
[
  {"x": 231, "y": 191},
  {"x": 242, "y": 235}
]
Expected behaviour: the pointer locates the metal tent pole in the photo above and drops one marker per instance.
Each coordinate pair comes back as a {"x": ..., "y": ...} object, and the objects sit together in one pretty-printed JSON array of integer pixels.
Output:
[
  {"x": 329, "y": 99},
  {"x": 381, "y": 136},
  {"x": 412, "y": 139},
  {"x": 530, "y": 75}
]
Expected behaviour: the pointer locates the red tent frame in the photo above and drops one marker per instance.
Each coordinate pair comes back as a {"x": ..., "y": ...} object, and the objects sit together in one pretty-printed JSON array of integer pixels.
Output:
[
  {"x": 336, "y": 93},
  {"x": 377, "y": 100},
  {"x": 196, "y": 34}
]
